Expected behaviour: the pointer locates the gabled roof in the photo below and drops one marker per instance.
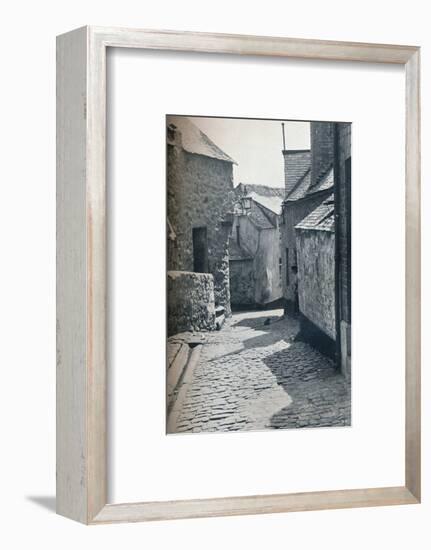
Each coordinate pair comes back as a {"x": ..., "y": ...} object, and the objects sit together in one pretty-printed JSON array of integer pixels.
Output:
[
  {"x": 301, "y": 188},
  {"x": 272, "y": 203},
  {"x": 321, "y": 218},
  {"x": 258, "y": 216},
  {"x": 298, "y": 165},
  {"x": 193, "y": 140},
  {"x": 324, "y": 181},
  {"x": 262, "y": 190},
  {"x": 304, "y": 187},
  {"x": 269, "y": 197}
]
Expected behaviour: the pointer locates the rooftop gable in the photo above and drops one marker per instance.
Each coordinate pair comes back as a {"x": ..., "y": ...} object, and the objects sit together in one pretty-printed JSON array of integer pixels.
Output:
[
  {"x": 321, "y": 218},
  {"x": 193, "y": 140}
]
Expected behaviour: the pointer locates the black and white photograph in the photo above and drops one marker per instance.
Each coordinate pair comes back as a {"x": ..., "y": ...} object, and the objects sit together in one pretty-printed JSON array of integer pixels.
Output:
[
  {"x": 210, "y": 337},
  {"x": 258, "y": 281}
]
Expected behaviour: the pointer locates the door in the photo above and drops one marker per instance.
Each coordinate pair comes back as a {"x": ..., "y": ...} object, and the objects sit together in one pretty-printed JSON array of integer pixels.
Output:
[{"x": 200, "y": 250}]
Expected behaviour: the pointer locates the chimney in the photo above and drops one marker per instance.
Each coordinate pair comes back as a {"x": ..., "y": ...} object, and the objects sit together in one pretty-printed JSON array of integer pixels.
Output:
[
  {"x": 296, "y": 164},
  {"x": 322, "y": 148}
]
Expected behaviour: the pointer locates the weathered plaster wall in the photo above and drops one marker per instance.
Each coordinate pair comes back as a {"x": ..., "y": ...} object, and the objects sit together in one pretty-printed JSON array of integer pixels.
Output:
[
  {"x": 316, "y": 278},
  {"x": 200, "y": 194},
  {"x": 264, "y": 245},
  {"x": 268, "y": 283},
  {"x": 191, "y": 303},
  {"x": 242, "y": 283},
  {"x": 249, "y": 233},
  {"x": 293, "y": 213}
]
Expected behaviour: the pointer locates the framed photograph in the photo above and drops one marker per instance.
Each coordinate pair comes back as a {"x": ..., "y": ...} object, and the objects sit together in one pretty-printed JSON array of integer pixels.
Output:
[{"x": 238, "y": 275}]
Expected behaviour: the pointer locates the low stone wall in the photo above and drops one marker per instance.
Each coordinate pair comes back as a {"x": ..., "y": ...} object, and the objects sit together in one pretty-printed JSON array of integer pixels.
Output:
[{"x": 191, "y": 304}]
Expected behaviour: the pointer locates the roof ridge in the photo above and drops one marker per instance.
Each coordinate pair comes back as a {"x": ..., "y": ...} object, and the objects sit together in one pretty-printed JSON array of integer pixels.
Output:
[
  {"x": 323, "y": 172},
  {"x": 194, "y": 141},
  {"x": 262, "y": 209}
]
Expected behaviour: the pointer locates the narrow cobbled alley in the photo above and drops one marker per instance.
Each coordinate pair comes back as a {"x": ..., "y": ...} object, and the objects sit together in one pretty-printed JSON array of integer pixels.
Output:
[{"x": 254, "y": 375}]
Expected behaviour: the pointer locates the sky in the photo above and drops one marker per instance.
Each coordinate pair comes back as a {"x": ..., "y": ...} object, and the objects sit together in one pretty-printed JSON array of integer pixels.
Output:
[{"x": 255, "y": 145}]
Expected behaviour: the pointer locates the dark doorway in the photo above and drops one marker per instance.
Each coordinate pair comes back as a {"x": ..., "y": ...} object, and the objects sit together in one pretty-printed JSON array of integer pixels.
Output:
[{"x": 200, "y": 250}]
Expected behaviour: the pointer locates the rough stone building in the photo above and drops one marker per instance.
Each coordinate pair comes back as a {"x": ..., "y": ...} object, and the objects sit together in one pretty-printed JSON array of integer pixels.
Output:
[
  {"x": 255, "y": 255},
  {"x": 199, "y": 219},
  {"x": 324, "y": 261},
  {"x": 309, "y": 180},
  {"x": 315, "y": 243}
]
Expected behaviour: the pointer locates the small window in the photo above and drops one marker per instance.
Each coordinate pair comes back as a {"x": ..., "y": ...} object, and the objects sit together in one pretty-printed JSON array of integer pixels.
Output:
[{"x": 280, "y": 267}]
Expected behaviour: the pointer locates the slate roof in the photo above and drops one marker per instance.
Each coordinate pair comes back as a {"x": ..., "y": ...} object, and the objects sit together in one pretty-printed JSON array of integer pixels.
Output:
[
  {"x": 300, "y": 165},
  {"x": 272, "y": 203},
  {"x": 301, "y": 188},
  {"x": 324, "y": 181},
  {"x": 195, "y": 141},
  {"x": 237, "y": 252},
  {"x": 321, "y": 218},
  {"x": 304, "y": 188},
  {"x": 263, "y": 190},
  {"x": 258, "y": 217},
  {"x": 269, "y": 197}
]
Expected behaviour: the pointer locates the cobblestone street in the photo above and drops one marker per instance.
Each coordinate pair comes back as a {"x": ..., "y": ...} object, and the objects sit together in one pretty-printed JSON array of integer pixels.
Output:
[{"x": 252, "y": 375}]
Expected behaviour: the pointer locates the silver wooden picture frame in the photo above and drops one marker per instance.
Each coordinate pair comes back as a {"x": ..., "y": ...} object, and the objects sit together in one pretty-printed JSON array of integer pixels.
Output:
[{"x": 81, "y": 274}]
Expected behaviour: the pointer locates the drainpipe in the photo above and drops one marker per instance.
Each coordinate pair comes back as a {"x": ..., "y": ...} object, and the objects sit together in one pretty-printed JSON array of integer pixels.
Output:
[{"x": 337, "y": 248}]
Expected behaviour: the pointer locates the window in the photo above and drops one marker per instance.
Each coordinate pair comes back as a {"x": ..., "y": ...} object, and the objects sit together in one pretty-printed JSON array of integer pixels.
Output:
[{"x": 280, "y": 264}]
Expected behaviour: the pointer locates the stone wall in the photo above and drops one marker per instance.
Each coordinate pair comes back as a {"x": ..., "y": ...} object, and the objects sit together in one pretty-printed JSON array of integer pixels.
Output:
[
  {"x": 191, "y": 305},
  {"x": 316, "y": 278},
  {"x": 242, "y": 284},
  {"x": 264, "y": 246},
  {"x": 293, "y": 213},
  {"x": 200, "y": 194}
]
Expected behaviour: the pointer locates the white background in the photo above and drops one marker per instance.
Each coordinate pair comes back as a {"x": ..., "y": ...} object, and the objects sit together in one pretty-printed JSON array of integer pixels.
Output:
[
  {"x": 27, "y": 221},
  {"x": 368, "y": 454}
]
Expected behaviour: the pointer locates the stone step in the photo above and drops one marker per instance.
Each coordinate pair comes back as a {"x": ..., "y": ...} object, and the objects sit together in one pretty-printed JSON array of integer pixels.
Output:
[
  {"x": 219, "y": 321},
  {"x": 219, "y": 310}
]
